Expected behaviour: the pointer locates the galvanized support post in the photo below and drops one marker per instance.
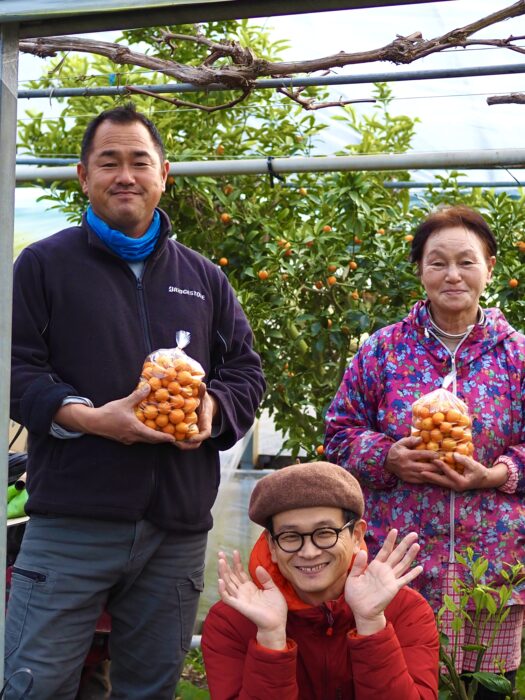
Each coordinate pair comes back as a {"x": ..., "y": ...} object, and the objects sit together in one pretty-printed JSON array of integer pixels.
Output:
[{"x": 8, "y": 99}]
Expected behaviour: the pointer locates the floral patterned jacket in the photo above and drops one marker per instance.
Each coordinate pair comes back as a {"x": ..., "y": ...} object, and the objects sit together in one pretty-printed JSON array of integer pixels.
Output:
[{"x": 372, "y": 409}]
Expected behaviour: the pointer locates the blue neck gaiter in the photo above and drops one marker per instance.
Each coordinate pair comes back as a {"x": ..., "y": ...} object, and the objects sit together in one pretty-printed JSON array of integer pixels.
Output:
[{"x": 127, "y": 248}]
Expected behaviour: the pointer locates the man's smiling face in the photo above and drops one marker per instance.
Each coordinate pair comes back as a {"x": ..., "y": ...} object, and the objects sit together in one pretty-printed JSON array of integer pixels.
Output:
[
  {"x": 317, "y": 575},
  {"x": 124, "y": 176}
]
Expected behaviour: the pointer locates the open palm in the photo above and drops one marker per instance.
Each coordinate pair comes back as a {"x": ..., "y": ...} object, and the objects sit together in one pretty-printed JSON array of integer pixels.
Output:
[
  {"x": 265, "y": 607},
  {"x": 369, "y": 589}
]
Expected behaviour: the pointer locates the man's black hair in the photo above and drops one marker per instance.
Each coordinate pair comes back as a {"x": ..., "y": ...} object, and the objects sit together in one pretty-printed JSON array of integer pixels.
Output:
[{"x": 125, "y": 114}]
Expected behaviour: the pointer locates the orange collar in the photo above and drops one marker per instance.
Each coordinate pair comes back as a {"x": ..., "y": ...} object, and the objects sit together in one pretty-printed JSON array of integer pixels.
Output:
[{"x": 261, "y": 556}]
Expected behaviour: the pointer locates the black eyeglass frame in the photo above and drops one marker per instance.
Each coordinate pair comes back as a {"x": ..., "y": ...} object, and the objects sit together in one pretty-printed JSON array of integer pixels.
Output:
[{"x": 336, "y": 530}]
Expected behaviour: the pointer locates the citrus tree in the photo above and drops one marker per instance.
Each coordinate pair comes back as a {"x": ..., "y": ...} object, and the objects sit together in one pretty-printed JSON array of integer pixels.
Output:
[{"x": 318, "y": 261}]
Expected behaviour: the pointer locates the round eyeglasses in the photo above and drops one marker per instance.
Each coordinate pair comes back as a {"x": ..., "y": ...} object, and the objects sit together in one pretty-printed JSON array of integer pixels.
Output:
[{"x": 322, "y": 537}]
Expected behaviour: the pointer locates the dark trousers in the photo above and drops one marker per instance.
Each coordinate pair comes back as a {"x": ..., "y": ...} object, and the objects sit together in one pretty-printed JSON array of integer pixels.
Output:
[{"x": 68, "y": 570}]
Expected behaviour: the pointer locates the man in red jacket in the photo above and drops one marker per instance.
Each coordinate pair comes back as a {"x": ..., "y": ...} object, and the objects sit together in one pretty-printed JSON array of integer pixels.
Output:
[{"x": 314, "y": 621}]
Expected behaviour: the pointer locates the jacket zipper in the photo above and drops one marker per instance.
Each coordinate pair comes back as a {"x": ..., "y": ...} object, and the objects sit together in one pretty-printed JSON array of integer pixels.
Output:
[
  {"x": 328, "y": 632},
  {"x": 143, "y": 314},
  {"x": 149, "y": 348},
  {"x": 453, "y": 374},
  {"x": 330, "y": 621}
]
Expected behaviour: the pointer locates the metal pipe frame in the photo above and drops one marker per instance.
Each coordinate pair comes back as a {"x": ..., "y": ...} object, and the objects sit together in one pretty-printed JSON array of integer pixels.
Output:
[
  {"x": 8, "y": 106},
  {"x": 486, "y": 184},
  {"x": 65, "y": 20},
  {"x": 471, "y": 160},
  {"x": 388, "y": 184},
  {"x": 273, "y": 83}
]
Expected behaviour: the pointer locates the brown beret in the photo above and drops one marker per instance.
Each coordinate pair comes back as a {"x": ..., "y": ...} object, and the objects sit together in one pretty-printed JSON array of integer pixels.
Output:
[{"x": 305, "y": 486}]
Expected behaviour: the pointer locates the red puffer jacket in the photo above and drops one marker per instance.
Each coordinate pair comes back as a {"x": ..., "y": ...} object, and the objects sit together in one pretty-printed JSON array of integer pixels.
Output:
[{"x": 325, "y": 659}]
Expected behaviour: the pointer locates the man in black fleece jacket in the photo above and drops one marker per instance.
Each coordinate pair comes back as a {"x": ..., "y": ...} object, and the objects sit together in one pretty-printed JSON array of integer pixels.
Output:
[{"x": 119, "y": 512}]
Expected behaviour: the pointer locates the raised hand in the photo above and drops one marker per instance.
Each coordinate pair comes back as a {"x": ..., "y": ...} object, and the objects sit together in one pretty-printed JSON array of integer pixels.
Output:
[
  {"x": 265, "y": 607},
  {"x": 369, "y": 589}
]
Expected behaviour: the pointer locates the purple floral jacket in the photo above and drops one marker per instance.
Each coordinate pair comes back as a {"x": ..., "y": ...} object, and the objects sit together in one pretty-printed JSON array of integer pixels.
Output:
[{"x": 372, "y": 409}]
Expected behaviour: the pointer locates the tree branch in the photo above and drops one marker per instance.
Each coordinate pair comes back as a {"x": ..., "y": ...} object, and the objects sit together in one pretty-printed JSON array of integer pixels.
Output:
[
  {"x": 185, "y": 103},
  {"x": 244, "y": 67},
  {"x": 309, "y": 103},
  {"x": 240, "y": 55},
  {"x": 513, "y": 98}
]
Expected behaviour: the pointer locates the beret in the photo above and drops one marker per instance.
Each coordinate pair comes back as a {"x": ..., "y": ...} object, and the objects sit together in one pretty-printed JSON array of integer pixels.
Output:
[{"x": 305, "y": 486}]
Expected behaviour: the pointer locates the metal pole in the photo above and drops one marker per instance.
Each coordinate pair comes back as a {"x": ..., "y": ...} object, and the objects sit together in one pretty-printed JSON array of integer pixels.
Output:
[
  {"x": 495, "y": 158},
  {"x": 265, "y": 83},
  {"x": 98, "y": 17},
  {"x": 8, "y": 89},
  {"x": 31, "y": 160}
]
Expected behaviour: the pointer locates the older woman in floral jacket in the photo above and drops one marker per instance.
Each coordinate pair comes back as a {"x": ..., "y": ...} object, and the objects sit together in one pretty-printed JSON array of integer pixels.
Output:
[{"x": 446, "y": 340}]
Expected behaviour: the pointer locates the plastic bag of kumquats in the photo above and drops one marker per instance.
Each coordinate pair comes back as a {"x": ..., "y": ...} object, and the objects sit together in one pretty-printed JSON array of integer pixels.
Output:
[
  {"x": 175, "y": 381},
  {"x": 443, "y": 423}
]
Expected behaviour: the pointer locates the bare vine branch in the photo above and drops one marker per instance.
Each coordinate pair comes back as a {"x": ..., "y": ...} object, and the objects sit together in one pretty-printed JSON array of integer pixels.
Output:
[
  {"x": 243, "y": 68},
  {"x": 513, "y": 98},
  {"x": 186, "y": 103},
  {"x": 241, "y": 56},
  {"x": 310, "y": 104}
]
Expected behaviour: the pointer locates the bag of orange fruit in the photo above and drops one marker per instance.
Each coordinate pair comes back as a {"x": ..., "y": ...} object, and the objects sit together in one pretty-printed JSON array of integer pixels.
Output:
[
  {"x": 443, "y": 423},
  {"x": 175, "y": 382}
]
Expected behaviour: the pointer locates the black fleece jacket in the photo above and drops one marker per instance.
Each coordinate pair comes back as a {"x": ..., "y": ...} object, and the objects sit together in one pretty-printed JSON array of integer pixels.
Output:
[{"x": 83, "y": 325}]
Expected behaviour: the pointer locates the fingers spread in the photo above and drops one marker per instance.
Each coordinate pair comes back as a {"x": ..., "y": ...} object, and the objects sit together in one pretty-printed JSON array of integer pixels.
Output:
[
  {"x": 410, "y": 575},
  {"x": 388, "y": 545},
  {"x": 406, "y": 560},
  {"x": 399, "y": 557}
]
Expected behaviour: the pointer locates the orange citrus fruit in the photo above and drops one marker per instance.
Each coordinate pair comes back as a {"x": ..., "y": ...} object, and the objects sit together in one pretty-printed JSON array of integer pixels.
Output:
[{"x": 176, "y": 416}]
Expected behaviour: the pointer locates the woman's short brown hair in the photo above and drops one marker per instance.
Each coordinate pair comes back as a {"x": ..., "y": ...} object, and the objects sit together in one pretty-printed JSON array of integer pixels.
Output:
[{"x": 459, "y": 215}]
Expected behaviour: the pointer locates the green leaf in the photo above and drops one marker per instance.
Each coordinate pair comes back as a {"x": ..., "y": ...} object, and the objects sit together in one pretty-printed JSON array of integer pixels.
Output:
[
  {"x": 473, "y": 647},
  {"x": 505, "y": 614},
  {"x": 493, "y": 682},
  {"x": 480, "y": 567},
  {"x": 449, "y": 604},
  {"x": 490, "y": 604},
  {"x": 461, "y": 559}
]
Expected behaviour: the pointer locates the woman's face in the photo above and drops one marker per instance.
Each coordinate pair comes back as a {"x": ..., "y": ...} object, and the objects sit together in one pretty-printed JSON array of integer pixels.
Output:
[{"x": 454, "y": 270}]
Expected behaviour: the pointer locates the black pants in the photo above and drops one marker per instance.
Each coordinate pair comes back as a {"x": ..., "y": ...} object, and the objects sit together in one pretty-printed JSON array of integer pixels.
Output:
[{"x": 485, "y": 694}]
